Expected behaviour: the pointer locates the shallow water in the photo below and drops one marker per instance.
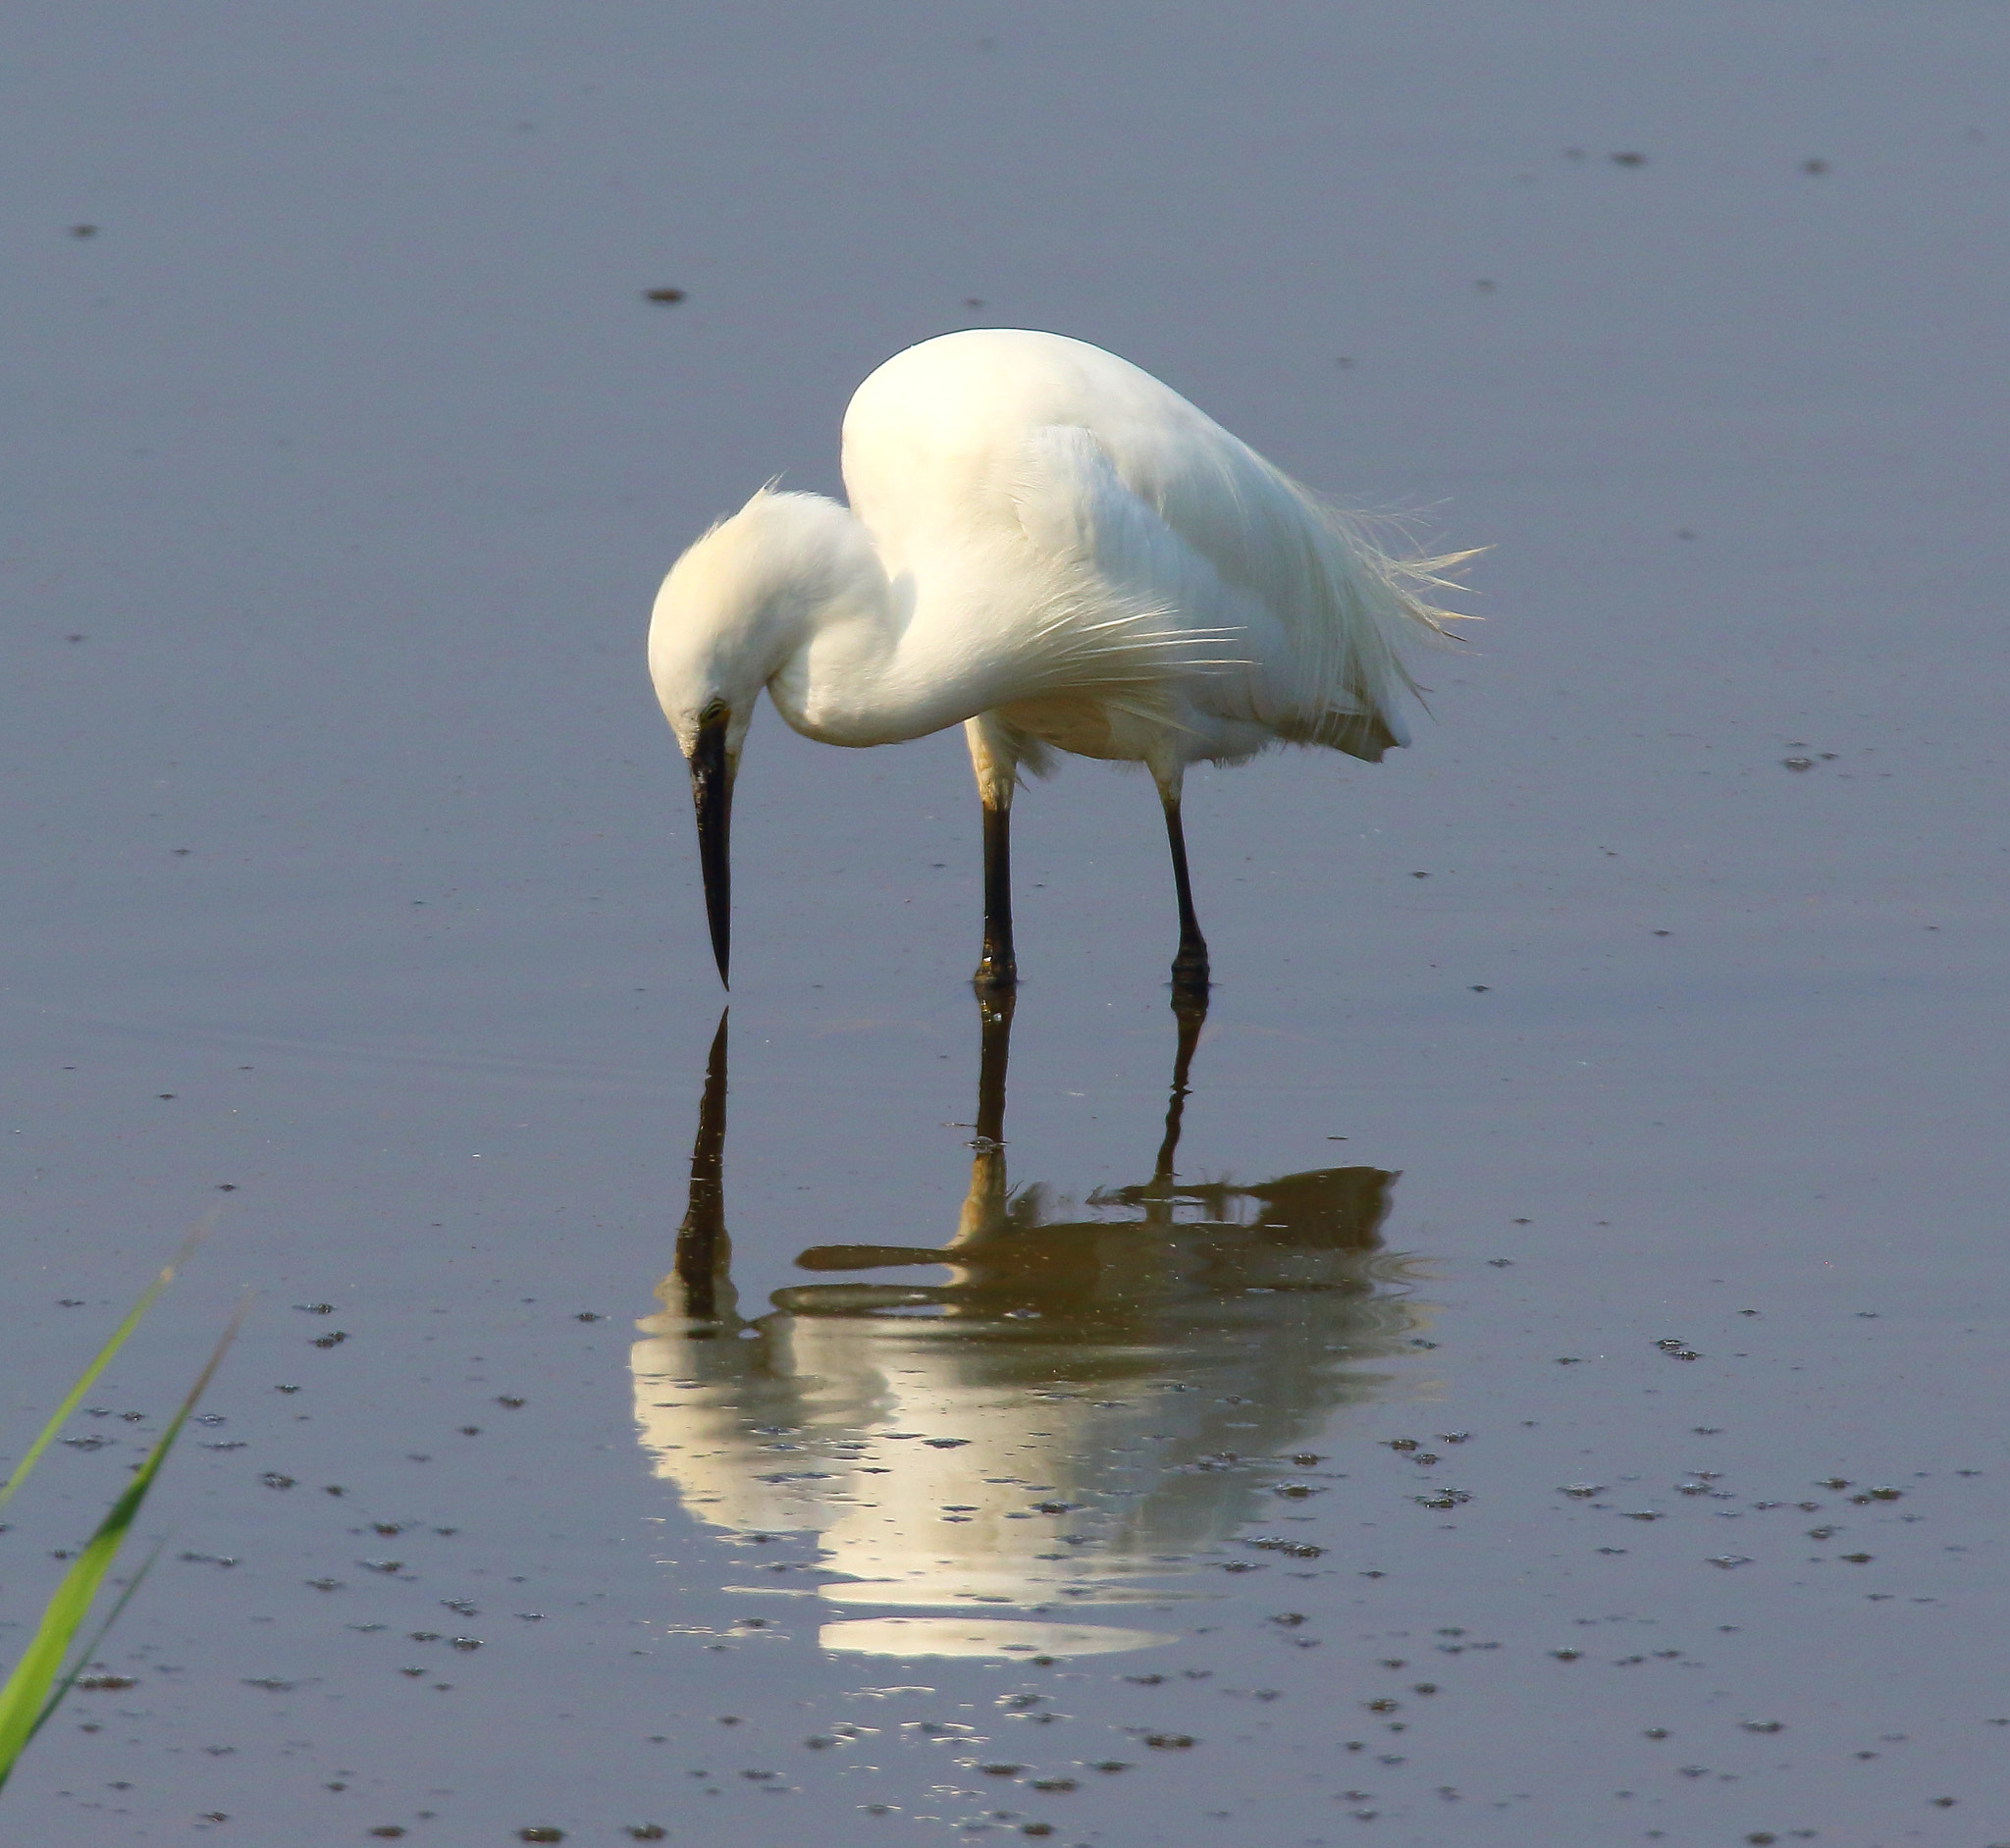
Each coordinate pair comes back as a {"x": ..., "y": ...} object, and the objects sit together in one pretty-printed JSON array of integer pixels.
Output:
[{"x": 1525, "y": 1371}]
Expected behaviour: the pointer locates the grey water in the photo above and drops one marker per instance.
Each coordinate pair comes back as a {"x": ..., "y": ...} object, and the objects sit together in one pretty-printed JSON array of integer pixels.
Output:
[{"x": 1528, "y": 1368}]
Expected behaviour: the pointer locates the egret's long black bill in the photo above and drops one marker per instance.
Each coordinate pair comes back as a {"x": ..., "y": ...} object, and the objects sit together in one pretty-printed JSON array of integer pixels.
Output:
[{"x": 711, "y": 792}]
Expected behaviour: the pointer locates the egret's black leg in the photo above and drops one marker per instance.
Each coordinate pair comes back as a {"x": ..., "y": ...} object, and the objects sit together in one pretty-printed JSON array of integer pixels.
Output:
[
  {"x": 1190, "y": 966},
  {"x": 996, "y": 968}
]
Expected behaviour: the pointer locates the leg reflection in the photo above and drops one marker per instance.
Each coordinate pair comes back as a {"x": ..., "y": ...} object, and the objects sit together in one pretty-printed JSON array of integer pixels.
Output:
[
  {"x": 1190, "y": 1009},
  {"x": 983, "y": 1206},
  {"x": 994, "y": 1018}
]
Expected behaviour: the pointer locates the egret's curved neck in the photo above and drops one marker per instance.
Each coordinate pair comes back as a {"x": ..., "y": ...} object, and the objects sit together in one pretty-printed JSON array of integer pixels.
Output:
[
  {"x": 861, "y": 670},
  {"x": 793, "y": 594}
]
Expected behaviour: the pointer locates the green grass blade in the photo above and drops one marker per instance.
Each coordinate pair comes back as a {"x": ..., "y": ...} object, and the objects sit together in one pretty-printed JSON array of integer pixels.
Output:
[
  {"x": 25, "y": 1702},
  {"x": 88, "y": 1652},
  {"x": 99, "y": 1362}
]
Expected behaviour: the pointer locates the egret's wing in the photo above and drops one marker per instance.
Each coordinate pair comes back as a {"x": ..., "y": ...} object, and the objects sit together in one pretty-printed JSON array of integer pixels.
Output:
[
  {"x": 1075, "y": 507},
  {"x": 1204, "y": 535},
  {"x": 1345, "y": 606},
  {"x": 1071, "y": 503},
  {"x": 1127, "y": 585}
]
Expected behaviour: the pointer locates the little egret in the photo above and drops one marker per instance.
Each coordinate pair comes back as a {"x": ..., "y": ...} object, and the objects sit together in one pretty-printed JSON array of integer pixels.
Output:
[{"x": 1049, "y": 547}]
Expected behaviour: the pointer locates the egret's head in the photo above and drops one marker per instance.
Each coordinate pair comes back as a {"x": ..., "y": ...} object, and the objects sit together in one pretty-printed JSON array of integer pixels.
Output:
[{"x": 736, "y": 608}]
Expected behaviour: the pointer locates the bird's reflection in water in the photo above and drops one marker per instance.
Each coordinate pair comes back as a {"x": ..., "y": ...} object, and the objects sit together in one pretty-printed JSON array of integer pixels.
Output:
[{"x": 1075, "y": 1402}]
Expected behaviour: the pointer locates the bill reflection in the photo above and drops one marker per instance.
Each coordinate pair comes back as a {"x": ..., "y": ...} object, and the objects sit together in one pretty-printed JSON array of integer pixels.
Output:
[{"x": 1059, "y": 1405}]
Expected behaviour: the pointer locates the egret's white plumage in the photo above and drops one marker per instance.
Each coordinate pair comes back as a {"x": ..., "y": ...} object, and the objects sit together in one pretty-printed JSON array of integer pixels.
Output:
[{"x": 1046, "y": 543}]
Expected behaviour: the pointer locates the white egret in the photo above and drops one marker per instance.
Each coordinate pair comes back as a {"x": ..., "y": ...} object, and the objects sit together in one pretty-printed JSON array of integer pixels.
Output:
[{"x": 1049, "y": 547}]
